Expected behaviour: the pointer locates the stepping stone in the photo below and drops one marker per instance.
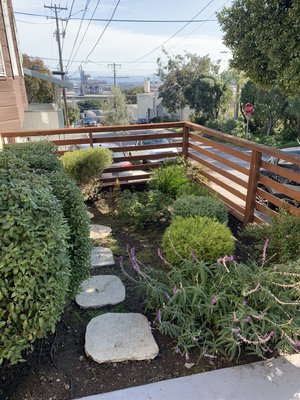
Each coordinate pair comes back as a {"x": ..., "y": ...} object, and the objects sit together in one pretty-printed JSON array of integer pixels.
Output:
[
  {"x": 101, "y": 257},
  {"x": 100, "y": 291},
  {"x": 116, "y": 337},
  {"x": 90, "y": 215},
  {"x": 99, "y": 231}
]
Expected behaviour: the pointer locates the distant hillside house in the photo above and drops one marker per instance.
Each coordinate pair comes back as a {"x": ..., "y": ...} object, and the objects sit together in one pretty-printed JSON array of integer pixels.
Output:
[{"x": 13, "y": 100}]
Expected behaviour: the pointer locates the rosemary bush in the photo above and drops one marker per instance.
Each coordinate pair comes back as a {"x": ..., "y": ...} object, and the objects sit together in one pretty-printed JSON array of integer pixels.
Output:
[{"x": 224, "y": 308}]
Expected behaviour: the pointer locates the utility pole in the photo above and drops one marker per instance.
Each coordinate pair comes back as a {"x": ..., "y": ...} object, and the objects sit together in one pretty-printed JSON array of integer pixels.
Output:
[
  {"x": 114, "y": 66},
  {"x": 56, "y": 8}
]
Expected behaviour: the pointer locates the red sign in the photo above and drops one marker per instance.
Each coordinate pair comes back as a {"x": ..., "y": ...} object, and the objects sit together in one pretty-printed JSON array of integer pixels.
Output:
[{"x": 248, "y": 108}]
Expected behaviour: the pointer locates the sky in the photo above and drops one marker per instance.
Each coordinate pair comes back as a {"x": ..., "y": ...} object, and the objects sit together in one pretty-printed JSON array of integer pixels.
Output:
[{"x": 125, "y": 43}]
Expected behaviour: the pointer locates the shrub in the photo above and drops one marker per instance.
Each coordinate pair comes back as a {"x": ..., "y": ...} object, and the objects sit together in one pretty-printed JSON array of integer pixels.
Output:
[
  {"x": 75, "y": 213},
  {"x": 39, "y": 156},
  {"x": 85, "y": 165},
  {"x": 283, "y": 234},
  {"x": 34, "y": 260},
  {"x": 224, "y": 308},
  {"x": 207, "y": 238},
  {"x": 195, "y": 189},
  {"x": 169, "y": 179},
  {"x": 192, "y": 206},
  {"x": 138, "y": 209}
]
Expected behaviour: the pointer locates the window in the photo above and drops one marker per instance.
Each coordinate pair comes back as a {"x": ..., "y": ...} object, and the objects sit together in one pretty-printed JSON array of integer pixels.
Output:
[{"x": 2, "y": 64}]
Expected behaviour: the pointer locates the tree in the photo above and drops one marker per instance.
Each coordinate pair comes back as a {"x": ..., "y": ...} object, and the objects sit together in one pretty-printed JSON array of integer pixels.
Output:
[
  {"x": 74, "y": 113},
  {"x": 204, "y": 95},
  {"x": 131, "y": 94},
  {"x": 89, "y": 105},
  {"x": 263, "y": 36},
  {"x": 177, "y": 76},
  {"x": 38, "y": 90},
  {"x": 269, "y": 107},
  {"x": 116, "y": 109}
]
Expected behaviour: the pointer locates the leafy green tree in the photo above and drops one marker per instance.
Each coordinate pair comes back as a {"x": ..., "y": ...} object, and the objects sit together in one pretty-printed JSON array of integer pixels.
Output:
[
  {"x": 263, "y": 36},
  {"x": 89, "y": 105},
  {"x": 178, "y": 74},
  {"x": 269, "y": 107},
  {"x": 116, "y": 109},
  {"x": 38, "y": 90},
  {"x": 74, "y": 113},
  {"x": 131, "y": 94}
]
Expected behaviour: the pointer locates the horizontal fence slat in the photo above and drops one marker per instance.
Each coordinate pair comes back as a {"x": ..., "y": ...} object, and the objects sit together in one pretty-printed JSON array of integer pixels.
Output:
[
  {"x": 286, "y": 173},
  {"x": 134, "y": 138},
  {"x": 142, "y": 157},
  {"x": 220, "y": 171},
  {"x": 222, "y": 147},
  {"x": 278, "y": 202},
  {"x": 244, "y": 143},
  {"x": 125, "y": 178},
  {"x": 220, "y": 159},
  {"x": 147, "y": 147},
  {"x": 279, "y": 187},
  {"x": 140, "y": 167},
  {"x": 265, "y": 209}
]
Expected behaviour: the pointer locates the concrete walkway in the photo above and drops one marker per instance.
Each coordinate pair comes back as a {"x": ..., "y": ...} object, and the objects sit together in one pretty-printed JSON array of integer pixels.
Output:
[{"x": 278, "y": 379}]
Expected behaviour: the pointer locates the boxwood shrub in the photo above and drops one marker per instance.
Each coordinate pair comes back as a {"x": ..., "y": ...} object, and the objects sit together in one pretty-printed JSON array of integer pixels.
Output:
[
  {"x": 34, "y": 260},
  {"x": 202, "y": 206},
  {"x": 201, "y": 237}
]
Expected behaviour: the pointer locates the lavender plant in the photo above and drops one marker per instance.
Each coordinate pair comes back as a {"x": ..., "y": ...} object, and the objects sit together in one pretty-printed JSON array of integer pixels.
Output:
[{"x": 224, "y": 308}]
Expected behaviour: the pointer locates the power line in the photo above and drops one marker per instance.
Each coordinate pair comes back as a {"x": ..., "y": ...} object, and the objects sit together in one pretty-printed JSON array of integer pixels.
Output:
[
  {"x": 78, "y": 31},
  {"x": 175, "y": 34},
  {"x": 176, "y": 21},
  {"x": 85, "y": 32},
  {"x": 65, "y": 30},
  {"x": 106, "y": 26}
]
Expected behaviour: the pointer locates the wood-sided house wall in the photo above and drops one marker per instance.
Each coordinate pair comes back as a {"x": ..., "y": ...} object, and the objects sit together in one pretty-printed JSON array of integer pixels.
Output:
[{"x": 13, "y": 100}]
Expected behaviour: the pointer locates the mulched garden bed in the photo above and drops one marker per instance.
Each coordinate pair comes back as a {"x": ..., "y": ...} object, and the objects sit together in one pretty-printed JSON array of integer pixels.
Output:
[{"x": 58, "y": 368}]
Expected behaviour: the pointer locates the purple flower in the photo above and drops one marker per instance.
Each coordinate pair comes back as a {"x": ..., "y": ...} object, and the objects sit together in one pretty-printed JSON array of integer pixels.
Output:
[
  {"x": 187, "y": 357},
  {"x": 159, "y": 316},
  {"x": 235, "y": 330},
  {"x": 174, "y": 290},
  {"x": 247, "y": 319},
  {"x": 214, "y": 300},
  {"x": 244, "y": 302},
  {"x": 167, "y": 296}
]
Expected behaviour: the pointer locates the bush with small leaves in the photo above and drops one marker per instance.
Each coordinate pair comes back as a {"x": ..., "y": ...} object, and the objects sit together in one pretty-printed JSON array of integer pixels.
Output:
[
  {"x": 194, "y": 189},
  {"x": 169, "y": 179},
  {"x": 86, "y": 165},
  {"x": 201, "y": 206},
  {"x": 139, "y": 209},
  {"x": 34, "y": 259},
  {"x": 204, "y": 237}
]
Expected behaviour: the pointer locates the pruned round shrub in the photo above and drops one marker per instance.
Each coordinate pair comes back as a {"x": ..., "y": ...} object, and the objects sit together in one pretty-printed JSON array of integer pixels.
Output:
[
  {"x": 201, "y": 237},
  {"x": 75, "y": 213},
  {"x": 169, "y": 179},
  {"x": 34, "y": 261},
  {"x": 39, "y": 156},
  {"x": 138, "y": 209},
  {"x": 201, "y": 206},
  {"x": 85, "y": 165}
]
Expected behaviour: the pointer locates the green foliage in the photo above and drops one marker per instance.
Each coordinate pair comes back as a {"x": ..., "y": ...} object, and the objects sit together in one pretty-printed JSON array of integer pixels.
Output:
[
  {"x": 283, "y": 234},
  {"x": 74, "y": 114},
  {"x": 34, "y": 260},
  {"x": 75, "y": 214},
  {"x": 169, "y": 179},
  {"x": 203, "y": 236},
  {"x": 139, "y": 209},
  {"x": 193, "y": 189},
  {"x": 39, "y": 156},
  {"x": 251, "y": 33},
  {"x": 116, "y": 109},
  {"x": 200, "y": 206},
  {"x": 131, "y": 94},
  {"x": 85, "y": 165},
  {"x": 225, "y": 308},
  {"x": 89, "y": 105}
]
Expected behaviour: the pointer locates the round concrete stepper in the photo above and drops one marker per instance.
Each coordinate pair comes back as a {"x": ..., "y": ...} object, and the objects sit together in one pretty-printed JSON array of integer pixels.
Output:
[
  {"x": 99, "y": 231},
  {"x": 117, "y": 337},
  {"x": 100, "y": 291},
  {"x": 101, "y": 257},
  {"x": 90, "y": 215}
]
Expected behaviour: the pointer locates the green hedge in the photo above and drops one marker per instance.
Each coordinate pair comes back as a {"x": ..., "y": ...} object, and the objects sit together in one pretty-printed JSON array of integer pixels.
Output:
[
  {"x": 207, "y": 238},
  {"x": 34, "y": 259},
  {"x": 201, "y": 206}
]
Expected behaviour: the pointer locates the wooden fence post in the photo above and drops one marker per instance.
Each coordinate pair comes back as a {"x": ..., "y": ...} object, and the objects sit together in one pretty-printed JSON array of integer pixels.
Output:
[
  {"x": 1, "y": 142},
  {"x": 252, "y": 186},
  {"x": 185, "y": 142}
]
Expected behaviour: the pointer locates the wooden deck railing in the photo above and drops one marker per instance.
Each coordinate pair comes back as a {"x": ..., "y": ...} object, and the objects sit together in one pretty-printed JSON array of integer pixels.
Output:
[{"x": 231, "y": 165}]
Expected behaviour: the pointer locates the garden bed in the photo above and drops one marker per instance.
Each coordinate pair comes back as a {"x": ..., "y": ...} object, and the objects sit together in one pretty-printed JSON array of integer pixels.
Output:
[{"x": 58, "y": 368}]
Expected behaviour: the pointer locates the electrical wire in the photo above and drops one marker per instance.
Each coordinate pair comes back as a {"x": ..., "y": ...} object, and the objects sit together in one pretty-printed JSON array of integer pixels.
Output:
[
  {"x": 85, "y": 32},
  {"x": 106, "y": 26},
  {"x": 78, "y": 31},
  {"x": 174, "y": 34},
  {"x": 65, "y": 29}
]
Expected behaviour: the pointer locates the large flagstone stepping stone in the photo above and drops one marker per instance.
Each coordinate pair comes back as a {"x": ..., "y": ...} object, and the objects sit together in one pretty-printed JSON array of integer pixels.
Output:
[
  {"x": 100, "y": 291},
  {"x": 90, "y": 215},
  {"x": 116, "y": 337},
  {"x": 101, "y": 257},
  {"x": 99, "y": 231}
]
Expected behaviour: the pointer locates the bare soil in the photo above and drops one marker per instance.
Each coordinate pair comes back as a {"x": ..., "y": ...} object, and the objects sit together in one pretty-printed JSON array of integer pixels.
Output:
[{"x": 58, "y": 368}]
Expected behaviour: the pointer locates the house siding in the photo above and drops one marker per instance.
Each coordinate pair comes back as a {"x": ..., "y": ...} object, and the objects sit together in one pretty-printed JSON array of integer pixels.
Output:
[{"x": 13, "y": 100}]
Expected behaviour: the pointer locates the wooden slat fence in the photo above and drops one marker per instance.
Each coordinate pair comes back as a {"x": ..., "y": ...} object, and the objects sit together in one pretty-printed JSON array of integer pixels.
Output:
[{"x": 232, "y": 166}]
